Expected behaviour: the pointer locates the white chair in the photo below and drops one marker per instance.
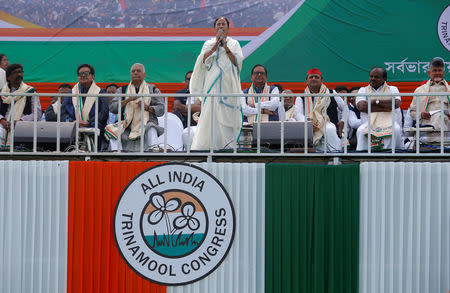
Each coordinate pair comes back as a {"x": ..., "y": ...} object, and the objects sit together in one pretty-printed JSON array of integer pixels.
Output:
[
  {"x": 87, "y": 139},
  {"x": 174, "y": 132}
]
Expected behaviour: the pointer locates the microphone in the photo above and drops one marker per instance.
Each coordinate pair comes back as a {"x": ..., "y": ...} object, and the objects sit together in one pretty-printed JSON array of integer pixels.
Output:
[{"x": 221, "y": 33}]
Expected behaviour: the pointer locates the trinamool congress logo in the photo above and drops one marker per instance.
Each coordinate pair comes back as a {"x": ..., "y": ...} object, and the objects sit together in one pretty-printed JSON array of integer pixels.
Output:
[
  {"x": 174, "y": 224},
  {"x": 443, "y": 28}
]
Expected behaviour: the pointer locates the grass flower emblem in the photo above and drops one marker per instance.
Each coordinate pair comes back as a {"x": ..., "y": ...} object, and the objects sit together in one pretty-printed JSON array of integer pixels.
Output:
[
  {"x": 187, "y": 218},
  {"x": 161, "y": 207}
]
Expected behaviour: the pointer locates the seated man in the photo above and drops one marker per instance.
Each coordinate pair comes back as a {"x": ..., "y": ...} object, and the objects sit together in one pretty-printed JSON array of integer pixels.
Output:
[
  {"x": 342, "y": 90},
  {"x": 268, "y": 105},
  {"x": 23, "y": 105},
  {"x": 83, "y": 108},
  {"x": 111, "y": 89},
  {"x": 354, "y": 118},
  {"x": 4, "y": 62},
  {"x": 187, "y": 136},
  {"x": 51, "y": 113},
  {"x": 131, "y": 114},
  {"x": 380, "y": 116},
  {"x": 180, "y": 107},
  {"x": 326, "y": 113},
  {"x": 430, "y": 107},
  {"x": 287, "y": 110}
]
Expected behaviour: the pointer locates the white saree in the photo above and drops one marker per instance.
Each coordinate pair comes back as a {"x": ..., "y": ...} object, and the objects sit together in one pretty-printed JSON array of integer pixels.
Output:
[{"x": 218, "y": 75}]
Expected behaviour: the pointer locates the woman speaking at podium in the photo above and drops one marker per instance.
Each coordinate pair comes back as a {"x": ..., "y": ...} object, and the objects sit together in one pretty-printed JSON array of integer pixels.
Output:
[{"x": 217, "y": 71}]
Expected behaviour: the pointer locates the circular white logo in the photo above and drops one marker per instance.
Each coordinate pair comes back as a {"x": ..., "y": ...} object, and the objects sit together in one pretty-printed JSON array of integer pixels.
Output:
[
  {"x": 174, "y": 224},
  {"x": 443, "y": 28}
]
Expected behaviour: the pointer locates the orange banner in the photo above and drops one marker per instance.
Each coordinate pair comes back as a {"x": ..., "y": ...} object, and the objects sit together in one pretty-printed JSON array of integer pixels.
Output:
[
  {"x": 94, "y": 263},
  {"x": 296, "y": 87}
]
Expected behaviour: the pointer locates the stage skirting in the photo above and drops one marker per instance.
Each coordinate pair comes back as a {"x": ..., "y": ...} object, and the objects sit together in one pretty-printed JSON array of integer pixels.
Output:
[{"x": 369, "y": 227}]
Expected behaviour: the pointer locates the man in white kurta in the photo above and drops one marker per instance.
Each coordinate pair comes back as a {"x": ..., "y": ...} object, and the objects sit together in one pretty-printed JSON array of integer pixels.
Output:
[
  {"x": 326, "y": 113},
  {"x": 430, "y": 106},
  {"x": 381, "y": 126},
  {"x": 268, "y": 105},
  {"x": 24, "y": 106},
  {"x": 217, "y": 71}
]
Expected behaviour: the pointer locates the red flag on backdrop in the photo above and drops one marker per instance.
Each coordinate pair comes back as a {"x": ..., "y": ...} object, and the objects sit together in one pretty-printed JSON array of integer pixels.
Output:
[{"x": 123, "y": 5}]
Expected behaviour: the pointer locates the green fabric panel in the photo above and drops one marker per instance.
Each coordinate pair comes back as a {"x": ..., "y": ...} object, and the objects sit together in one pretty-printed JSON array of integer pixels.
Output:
[
  {"x": 312, "y": 228},
  {"x": 296, "y": 23},
  {"x": 346, "y": 38},
  {"x": 58, "y": 61}
]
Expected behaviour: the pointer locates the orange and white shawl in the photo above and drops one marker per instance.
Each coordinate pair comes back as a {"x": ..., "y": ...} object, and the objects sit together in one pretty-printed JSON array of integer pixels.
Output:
[
  {"x": 251, "y": 101},
  {"x": 82, "y": 110},
  {"x": 317, "y": 111},
  {"x": 132, "y": 116},
  {"x": 290, "y": 113},
  {"x": 19, "y": 104},
  {"x": 380, "y": 122},
  {"x": 423, "y": 102}
]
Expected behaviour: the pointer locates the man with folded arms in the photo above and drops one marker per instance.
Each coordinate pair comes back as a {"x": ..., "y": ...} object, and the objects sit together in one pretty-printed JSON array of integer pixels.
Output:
[
  {"x": 381, "y": 127},
  {"x": 430, "y": 107},
  {"x": 269, "y": 105}
]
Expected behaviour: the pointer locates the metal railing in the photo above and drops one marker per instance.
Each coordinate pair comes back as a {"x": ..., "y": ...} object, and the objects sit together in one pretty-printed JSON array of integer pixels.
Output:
[{"x": 233, "y": 148}]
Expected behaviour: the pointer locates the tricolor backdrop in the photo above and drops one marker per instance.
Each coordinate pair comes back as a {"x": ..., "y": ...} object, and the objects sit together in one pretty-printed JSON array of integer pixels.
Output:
[
  {"x": 373, "y": 227},
  {"x": 343, "y": 38}
]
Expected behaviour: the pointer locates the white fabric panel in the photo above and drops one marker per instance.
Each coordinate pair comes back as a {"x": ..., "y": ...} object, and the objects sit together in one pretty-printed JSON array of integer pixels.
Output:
[
  {"x": 405, "y": 227},
  {"x": 33, "y": 226},
  {"x": 243, "y": 267}
]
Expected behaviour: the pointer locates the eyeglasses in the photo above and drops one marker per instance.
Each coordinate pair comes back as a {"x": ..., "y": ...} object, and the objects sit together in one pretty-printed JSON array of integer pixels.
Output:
[
  {"x": 84, "y": 73},
  {"x": 259, "y": 73}
]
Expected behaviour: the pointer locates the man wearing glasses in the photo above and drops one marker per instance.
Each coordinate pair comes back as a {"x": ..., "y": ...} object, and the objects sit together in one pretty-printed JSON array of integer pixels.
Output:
[
  {"x": 83, "y": 108},
  {"x": 430, "y": 106},
  {"x": 269, "y": 105}
]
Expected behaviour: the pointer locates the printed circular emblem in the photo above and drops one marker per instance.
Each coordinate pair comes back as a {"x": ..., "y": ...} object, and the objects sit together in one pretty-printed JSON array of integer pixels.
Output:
[
  {"x": 443, "y": 28},
  {"x": 174, "y": 224}
]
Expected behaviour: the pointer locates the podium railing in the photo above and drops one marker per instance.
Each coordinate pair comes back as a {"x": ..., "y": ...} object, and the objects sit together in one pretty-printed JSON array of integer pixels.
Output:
[{"x": 219, "y": 107}]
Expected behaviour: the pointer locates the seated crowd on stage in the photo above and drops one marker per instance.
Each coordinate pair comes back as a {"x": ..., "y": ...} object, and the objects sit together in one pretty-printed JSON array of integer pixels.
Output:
[{"x": 120, "y": 119}]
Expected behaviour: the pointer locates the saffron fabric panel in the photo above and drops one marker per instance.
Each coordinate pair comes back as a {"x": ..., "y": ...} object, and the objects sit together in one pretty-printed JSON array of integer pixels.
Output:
[
  {"x": 312, "y": 224},
  {"x": 405, "y": 227},
  {"x": 94, "y": 263},
  {"x": 243, "y": 268},
  {"x": 33, "y": 226}
]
